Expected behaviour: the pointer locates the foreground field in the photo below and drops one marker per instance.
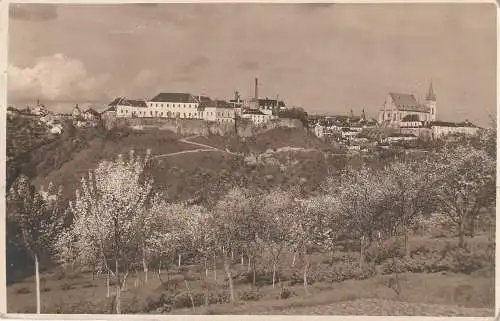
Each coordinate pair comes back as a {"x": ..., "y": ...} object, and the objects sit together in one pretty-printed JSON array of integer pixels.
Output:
[{"x": 444, "y": 293}]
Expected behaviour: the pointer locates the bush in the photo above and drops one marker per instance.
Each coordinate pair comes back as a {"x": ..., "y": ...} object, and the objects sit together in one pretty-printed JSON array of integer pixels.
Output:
[
  {"x": 250, "y": 296},
  {"x": 386, "y": 250},
  {"x": 162, "y": 304},
  {"x": 286, "y": 293},
  {"x": 465, "y": 261},
  {"x": 67, "y": 286},
  {"x": 23, "y": 290}
]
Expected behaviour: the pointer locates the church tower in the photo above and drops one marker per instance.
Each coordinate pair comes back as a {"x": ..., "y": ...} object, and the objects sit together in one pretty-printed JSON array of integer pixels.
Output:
[{"x": 430, "y": 102}]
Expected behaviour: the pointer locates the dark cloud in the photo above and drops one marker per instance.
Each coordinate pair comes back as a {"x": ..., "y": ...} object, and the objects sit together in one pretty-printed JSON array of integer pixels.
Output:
[{"x": 33, "y": 12}]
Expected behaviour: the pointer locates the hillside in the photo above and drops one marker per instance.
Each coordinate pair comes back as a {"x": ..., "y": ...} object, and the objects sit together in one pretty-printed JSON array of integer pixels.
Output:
[{"x": 293, "y": 159}]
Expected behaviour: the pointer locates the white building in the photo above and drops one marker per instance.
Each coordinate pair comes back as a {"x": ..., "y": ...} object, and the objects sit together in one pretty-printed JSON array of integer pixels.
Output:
[
  {"x": 216, "y": 110},
  {"x": 256, "y": 116},
  {"x": 126, "y": 108},
  {"x": 319, "y": 130},
  {"x": 441, "y": 129},
  {"x": 174, "y": 105},
  {"x": 393, "y": 138},
  {"x": 76, "y": 112},
  {"x": 91, "y": 114}
]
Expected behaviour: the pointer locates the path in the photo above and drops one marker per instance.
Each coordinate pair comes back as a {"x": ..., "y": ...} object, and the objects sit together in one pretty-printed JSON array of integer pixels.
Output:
[{"x": 206, "y": 148}]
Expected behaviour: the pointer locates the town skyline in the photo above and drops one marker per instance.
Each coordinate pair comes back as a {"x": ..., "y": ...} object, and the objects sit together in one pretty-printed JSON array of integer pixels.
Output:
[{"x": 346, "y": 64}]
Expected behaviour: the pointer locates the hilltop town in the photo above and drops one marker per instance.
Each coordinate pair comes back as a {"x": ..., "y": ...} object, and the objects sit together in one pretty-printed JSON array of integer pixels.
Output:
[{"x": 402, "y": 119}]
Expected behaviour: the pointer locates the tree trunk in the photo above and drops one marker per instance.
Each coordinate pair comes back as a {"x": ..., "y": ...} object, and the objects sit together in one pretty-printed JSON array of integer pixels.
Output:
[
  {"x": 37, "y": 280},
  {"x": 179, "y": 260},
  {"x": 118, "y": 299},
  {"x": 189, "y": 293},
  {"x": 253, "y": 273},
  {"x": 242, "y": 261},
  {"x": 145, "y": 266},
  {"x": 159, "y": 269},
  {"x": 124, "y": 282},
  {"x": 107, "y": 285},
  {"x": 461, "y": 235},
  {"x": 249, "y": 266},
  {"x": 168, "y": 276},
  {"x": 227, "y": 268},
  {"x": 361, "y": 252},
  {"x": 215, "y": 269},
  {"x": 407, "y": 245},
  {"x": 293, "y": 260},
  {"x": 274, "y": 273},
  {"x": 306, "y": 267}
]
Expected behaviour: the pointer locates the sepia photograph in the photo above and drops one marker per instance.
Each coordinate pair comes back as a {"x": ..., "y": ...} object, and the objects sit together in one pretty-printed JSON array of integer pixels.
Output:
[{"x": 251, "y": 159}]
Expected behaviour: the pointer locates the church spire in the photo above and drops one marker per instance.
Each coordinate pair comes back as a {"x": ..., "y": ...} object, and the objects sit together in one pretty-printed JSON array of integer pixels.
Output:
[{"x": 431, "y": 96}]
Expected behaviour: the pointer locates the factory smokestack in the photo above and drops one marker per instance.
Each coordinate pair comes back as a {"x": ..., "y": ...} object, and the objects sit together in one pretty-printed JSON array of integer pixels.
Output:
[{"x": 256, "y": 88}]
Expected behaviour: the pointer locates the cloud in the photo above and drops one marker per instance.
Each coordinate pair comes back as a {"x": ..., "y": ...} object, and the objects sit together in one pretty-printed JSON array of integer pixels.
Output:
[
  {"x": 33, "y": 12},
  {"x": 193, "y": 67},
  {"x": 56, "y": 78},
  {"x": 249, "y": 65}
]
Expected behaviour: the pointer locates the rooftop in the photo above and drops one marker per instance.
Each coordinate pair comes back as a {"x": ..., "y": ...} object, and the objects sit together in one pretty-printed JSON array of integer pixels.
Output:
[
  {"x": 407, "y": 102},
  {"x": 128, "y": 102},
  {"x": 175, "y": 98},
  {"x": 253, "y": 112}
]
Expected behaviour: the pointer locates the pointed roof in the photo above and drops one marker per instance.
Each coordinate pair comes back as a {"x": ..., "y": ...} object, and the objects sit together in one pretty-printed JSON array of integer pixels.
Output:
[{"x": 431, "y": 96}]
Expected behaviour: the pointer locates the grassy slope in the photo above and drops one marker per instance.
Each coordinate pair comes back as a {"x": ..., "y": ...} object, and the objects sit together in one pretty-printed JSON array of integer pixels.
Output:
[
  {"x": 100, "y": 148},
  {"x": 201, "y": 175},
  {"x": 448, "y": 292}
]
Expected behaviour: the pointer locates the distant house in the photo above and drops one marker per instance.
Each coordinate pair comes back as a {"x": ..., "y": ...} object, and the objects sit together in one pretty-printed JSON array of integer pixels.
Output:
[
  {"x": 216, "y": 110},
  {"x": 12, "y": 111},
  {"x": 91, "y": 114},
  {"x": 256, "y": 116},
  {"x": 127, "y": 108},
  {"x": 319, "y": 130},
  {"x": 399, "y": 137},
  {"x": 174, "y": 105},
  {"x": 56, "y": 129},
  {"x": 411, "y": 121},
  {"x": 76, "y": 112},
  {"x": 440, "y": 129}
]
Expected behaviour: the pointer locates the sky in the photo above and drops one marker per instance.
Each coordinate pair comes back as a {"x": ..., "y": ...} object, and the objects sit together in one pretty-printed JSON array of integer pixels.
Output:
[{"x": 326, "y": 58}]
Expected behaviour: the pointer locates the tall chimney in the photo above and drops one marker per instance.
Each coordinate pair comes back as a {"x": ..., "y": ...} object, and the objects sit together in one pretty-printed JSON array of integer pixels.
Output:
[{"x": 256, "y": 88}]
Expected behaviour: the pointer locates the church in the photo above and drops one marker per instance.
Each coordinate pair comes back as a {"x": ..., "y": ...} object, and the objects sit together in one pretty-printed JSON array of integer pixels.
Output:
[{"x": 401, "y": 108}]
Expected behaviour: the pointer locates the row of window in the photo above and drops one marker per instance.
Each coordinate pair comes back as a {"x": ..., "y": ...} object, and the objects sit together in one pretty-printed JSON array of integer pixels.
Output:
[
  {"x": 156, "y": 113},
  {"x": 173, "y": 105}
]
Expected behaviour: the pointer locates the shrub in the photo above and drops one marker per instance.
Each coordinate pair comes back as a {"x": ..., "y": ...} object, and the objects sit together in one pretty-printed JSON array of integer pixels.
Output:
[
  {"x": 465, "y": 261},
  {"x": 161, "y": 304},
  {"x": 67, "y": 286},
  {"x": 286, "y": 293},
  {"x": 250, "y": 296},
  {"x": 23, "y": 290},
  {"x": 386, "y": 250}
]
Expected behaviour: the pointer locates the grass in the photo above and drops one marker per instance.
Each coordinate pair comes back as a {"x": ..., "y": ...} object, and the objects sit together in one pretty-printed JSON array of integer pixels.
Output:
[{"x": 77, "y": 291}]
